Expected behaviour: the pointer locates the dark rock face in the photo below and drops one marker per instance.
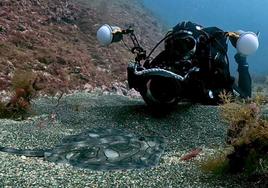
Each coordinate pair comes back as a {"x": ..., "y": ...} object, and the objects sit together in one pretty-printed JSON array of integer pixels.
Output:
[
  {"x": 108, "y": 149},
  {"x": 61, "y": 35}
]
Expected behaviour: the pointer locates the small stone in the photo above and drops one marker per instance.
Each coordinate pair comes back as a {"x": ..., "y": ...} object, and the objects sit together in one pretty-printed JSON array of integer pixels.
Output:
[
  {"x": 69, "y": 156},
  {"x": 93, "y": 135},
  {"x": 21, "y": 27},
  {"x": 124, "y": 91},
  {"x": 133, "y": 93},
  {"x": 2, "y": 29},
  {"x": 151, "y": 144},
  {"x": 106, "y": 93},
  {"x": 77, "y": 70},
  {"x": 104, "y": 141},
  {"x": 104, "y": 88},
  {"x": 88, "y": 87},
  {"x": 111, "y": 154}
]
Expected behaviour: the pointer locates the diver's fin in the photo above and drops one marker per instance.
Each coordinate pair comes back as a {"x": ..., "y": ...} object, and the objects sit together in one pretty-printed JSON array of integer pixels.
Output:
[{"x": 25, "y": 152}]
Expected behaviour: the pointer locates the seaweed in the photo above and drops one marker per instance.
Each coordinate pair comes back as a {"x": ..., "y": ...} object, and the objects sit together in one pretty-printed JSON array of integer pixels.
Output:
[
  {"x": 217, "y": 164},
  {"x": 24, "y": 88},
  {"x": 247, "y": 135}
]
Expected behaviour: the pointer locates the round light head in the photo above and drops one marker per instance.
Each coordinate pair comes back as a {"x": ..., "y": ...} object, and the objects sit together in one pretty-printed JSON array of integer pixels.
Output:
[
  {"x": 105, "y": 35},
  {"x": 247, "y": 43}
]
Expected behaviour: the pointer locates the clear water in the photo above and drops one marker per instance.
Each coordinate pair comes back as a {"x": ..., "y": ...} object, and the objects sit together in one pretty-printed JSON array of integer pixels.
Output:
[{"x": 232, "y": 15}]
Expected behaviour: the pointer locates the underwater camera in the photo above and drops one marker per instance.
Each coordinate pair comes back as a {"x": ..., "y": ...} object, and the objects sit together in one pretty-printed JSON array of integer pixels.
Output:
[{"x": 193, "y": 66}]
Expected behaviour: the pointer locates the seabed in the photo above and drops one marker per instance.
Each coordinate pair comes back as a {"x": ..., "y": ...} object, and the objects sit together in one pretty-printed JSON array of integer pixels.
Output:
[{"x": 83, "y": 119}]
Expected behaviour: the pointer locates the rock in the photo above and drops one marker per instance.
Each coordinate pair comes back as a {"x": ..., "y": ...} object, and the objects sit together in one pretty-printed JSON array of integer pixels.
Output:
[
  {"x": 101, "y": 69},
  {"x": 264, "y": 112},
  {"x": 4, "y": 83},
  {"x": 97, "y": 90},
  {"x": 21, "y": 28},
  {"x": 119, "y": 92},
  {"x": 77, "y": 70},
  {"x": 83, "y": 77},
  {"x": 63, "y": 33},
  {"x": 121, "y": 88},
  {"x": 4, "y": 96},
  {"x": 61, "y": 60},
  {"x": 2, "y": 29},
  {"x": 106, "y": 93},
  {"x": 133, "y": 93},
  {"x": 10, "y": 65},
  {"x": 104, "y": 88},
  {"x": 124, "y": 91},
  {"x": 88, "y": 88}
]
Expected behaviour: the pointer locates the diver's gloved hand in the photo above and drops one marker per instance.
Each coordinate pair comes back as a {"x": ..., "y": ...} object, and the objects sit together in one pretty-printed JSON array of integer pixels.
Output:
[
  {"x": 244, "y": 80},
  {"x": 241, "y": 60}
]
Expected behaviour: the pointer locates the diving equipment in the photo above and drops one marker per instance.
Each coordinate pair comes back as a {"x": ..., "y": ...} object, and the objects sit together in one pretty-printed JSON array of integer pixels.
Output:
[
  {"x": 246, "y": 43},
  {"x": 194, "y": 64},
  {"x": 107, "y": 34},
  {"x": 182, "y": 44}
]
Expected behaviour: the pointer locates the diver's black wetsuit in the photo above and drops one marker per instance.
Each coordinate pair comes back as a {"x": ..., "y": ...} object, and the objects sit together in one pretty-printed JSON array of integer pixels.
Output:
[
  {"x": 197, "y": 56},
  {"x": 244, "y": 79}
]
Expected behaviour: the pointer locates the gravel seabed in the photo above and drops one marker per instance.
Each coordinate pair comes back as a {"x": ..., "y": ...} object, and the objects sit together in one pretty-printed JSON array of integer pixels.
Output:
[{"x": 185, "y": 128}]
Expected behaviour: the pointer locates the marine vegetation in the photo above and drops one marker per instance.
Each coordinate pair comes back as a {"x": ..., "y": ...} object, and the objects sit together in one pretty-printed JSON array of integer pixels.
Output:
[
  {"x": 247, "y": 138},
  {"x": 24, "y": 88}
]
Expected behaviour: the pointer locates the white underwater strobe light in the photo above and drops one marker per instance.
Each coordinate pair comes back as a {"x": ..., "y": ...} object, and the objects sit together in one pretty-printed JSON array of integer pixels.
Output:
[
  {"x": 247, "y": 43},
  {"x": 107, "y": 34}
]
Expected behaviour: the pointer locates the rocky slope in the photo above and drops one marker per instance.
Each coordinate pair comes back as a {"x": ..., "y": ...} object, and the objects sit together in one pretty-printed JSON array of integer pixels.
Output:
[{"x": 57, "y": 40}]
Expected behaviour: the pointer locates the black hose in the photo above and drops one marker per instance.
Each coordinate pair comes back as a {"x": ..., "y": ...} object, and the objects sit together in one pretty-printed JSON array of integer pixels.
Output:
[{"x": 168, "y": 35}]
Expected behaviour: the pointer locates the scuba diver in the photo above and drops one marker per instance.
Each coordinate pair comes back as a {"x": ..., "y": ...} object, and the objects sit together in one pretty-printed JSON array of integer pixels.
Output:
[
  {"x": 193, "y": 66},
  {"x": 205, "y": 48}
]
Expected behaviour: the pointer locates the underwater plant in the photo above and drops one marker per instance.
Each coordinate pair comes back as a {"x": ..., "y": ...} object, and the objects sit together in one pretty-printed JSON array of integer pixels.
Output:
[
  {"x": 24, "y": 88},
  {"x": 217, "y": 164},
  {"x": 247, "y": 136}
]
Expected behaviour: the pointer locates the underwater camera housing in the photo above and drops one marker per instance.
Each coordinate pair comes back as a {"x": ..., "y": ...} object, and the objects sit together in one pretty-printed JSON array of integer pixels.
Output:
[{"x": 164, "y": 80}]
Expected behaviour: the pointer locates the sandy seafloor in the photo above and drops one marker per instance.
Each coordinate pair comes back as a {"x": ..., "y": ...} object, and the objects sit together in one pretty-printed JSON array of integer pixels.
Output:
[{"x": 185, "y": 128}]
